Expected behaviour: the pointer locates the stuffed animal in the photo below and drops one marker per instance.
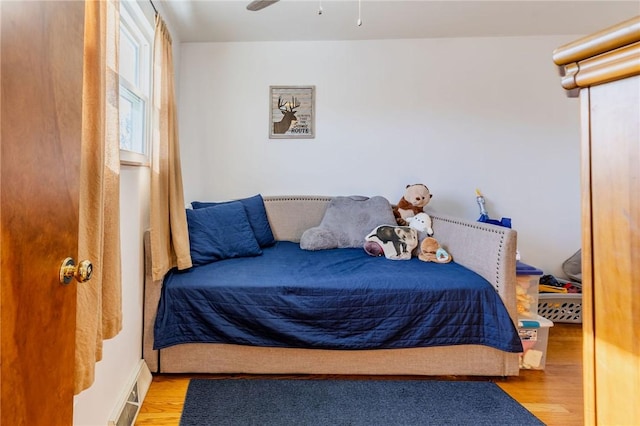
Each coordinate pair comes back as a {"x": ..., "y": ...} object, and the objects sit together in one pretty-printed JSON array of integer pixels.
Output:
[
  {"x": 421, "y": 223},
  {"x": 431, "y": 251},
  {"x": 415, "y": 197}
]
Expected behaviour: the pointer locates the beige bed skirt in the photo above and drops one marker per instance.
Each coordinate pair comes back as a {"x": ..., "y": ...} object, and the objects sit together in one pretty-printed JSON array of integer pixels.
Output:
[{"x": 439, "y": 361}]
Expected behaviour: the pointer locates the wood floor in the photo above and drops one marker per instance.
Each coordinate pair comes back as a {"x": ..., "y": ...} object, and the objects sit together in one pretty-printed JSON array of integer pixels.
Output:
[{"x": 553, "y": 395}]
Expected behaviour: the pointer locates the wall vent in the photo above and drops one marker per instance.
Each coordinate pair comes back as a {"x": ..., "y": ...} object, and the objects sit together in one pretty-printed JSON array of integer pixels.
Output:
[
  {"x": 131, "y": 400},
  {"x": 130, "y": 409}
]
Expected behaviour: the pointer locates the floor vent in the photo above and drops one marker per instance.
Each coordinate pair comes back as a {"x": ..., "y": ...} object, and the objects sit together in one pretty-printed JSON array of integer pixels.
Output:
[{"x": 127, "y": 409}]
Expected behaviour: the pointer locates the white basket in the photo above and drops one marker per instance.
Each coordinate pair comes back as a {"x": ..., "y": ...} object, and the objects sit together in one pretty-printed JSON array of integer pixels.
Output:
[{"x": 561, "y": 307}]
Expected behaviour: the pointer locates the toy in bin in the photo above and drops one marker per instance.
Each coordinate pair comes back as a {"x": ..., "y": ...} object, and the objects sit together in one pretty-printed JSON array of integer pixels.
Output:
[
  {"x": 534, "y": 335},
  {"x": 484, "y": 216},
  {"x": 551, "y": 284},
  {"x": 527, "y": 280}
]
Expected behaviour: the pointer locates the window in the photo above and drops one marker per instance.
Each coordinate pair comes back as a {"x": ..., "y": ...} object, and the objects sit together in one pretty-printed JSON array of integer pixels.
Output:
[{"x": 136, "y": 35}]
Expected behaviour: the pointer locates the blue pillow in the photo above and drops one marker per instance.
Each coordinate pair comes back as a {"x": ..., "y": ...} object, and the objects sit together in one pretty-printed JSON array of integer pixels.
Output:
[
  {"x": 220, "y": 232},
  {"x": 257, "y": 217}
]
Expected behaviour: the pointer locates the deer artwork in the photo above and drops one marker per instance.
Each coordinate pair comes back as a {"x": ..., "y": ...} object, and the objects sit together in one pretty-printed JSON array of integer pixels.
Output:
[{"x": 289, "y": 112}]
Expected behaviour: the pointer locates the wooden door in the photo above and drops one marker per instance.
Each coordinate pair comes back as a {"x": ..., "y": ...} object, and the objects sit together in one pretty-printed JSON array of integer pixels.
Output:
[
  {"x": 612, "y": 266},
  {"x": 41, "y": 102},
  {"x": 605, "y": 68}
]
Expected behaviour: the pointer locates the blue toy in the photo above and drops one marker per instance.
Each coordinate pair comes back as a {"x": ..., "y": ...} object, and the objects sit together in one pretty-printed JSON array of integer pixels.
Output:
[{"x": 484, "y": 216}]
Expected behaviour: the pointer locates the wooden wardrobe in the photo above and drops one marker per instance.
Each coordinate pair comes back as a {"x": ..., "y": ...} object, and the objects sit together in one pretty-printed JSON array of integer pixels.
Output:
[{"x": 604, "y": 70}]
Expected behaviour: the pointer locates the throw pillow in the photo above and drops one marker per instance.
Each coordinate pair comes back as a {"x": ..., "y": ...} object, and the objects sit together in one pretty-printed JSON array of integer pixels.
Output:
[
  {"x": 257, "y": 217},
  {"x": 397, "y": 242},
  {"x": 346, "y": 223},
  {"x": 220, "y": 232}
]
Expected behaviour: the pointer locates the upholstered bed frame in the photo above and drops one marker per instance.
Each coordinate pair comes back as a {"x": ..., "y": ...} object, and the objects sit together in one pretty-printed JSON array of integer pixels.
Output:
[{"x": 488, "y": 250}]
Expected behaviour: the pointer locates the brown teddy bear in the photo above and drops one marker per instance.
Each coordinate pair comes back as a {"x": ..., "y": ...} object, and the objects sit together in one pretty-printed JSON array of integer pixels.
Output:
[
  {"x": 430, "y": 251},
  {"x": 415, "y": 197}
]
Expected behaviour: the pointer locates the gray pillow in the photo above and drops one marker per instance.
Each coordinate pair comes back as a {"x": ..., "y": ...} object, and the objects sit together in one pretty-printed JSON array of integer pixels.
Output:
[{"x": 347, "y": 222}]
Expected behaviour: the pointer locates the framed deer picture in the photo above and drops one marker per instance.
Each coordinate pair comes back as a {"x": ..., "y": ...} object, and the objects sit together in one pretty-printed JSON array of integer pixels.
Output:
[{"x": 292, "y": 112}]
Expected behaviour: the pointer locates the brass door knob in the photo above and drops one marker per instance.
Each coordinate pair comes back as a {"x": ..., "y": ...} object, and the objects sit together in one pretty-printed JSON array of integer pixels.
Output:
[{"x": 69, "y": 270}]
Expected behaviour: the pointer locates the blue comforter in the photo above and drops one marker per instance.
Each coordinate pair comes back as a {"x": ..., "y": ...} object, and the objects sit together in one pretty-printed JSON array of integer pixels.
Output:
[{"x": 331, "y": 299}]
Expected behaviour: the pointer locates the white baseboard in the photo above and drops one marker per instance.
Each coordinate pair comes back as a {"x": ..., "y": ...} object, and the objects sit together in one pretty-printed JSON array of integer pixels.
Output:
[{"x": 130, "y": 400}]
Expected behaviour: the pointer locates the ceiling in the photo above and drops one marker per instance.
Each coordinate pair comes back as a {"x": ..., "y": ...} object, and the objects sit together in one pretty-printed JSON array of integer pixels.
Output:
[{"x": 292, "y": 20}]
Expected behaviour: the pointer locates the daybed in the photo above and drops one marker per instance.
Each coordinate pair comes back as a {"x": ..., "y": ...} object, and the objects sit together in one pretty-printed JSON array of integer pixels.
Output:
[{"x": 487, "y": 250}]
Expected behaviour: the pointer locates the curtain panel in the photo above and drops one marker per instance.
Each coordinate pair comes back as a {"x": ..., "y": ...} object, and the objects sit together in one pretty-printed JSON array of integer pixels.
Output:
[
  {"x": 99, "y": 312},
  {"x": 168, "y": 229}
]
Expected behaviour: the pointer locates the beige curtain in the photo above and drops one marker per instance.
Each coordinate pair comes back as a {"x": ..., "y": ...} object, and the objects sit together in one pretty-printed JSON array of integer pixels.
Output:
[
  {"x": 99, "y": 309},
  {"x": 168, "y": 231}
]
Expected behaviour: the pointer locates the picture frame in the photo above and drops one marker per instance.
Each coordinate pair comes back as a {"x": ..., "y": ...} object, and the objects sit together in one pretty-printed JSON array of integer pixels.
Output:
[{"x": 292, "y": 112}]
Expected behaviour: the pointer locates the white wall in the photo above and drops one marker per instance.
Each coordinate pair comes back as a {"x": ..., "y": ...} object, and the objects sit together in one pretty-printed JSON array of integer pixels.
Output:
[{"x": 455, "y": 114}]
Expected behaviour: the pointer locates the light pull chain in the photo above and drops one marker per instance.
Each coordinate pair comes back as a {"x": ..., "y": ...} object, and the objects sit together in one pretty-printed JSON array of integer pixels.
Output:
[
  {"x": 320, "y": 8},
  {"x": 359, "y": 22}
]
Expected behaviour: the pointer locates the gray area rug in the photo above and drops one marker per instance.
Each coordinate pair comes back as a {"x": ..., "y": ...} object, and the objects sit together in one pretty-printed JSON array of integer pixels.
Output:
[{"x": 350, "y": 402}]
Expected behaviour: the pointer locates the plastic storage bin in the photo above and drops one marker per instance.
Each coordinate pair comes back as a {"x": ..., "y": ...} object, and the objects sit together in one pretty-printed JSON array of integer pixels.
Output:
[
  {"x": 534, "y": 335},
  {"x": 527, "y": 279}
]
